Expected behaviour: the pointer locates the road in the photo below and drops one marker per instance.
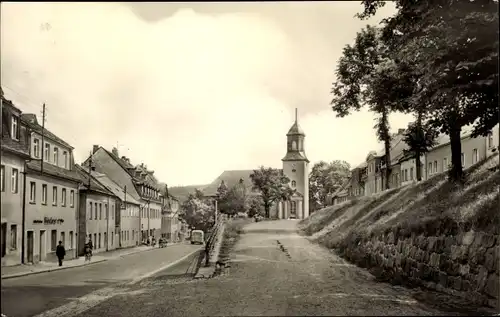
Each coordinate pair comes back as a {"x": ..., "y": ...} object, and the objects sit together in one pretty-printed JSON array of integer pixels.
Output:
[
  {"x": 274, "y": 272},
  {"x": 33, "y": 294}
]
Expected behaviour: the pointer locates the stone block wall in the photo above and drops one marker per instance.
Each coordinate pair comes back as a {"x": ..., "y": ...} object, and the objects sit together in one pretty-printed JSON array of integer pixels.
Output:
[{"x": 463, "y": 264}]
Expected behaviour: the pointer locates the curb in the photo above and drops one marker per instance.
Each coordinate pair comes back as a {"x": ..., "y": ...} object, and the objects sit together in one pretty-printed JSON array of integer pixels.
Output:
[{"x": 8, "y": 276}]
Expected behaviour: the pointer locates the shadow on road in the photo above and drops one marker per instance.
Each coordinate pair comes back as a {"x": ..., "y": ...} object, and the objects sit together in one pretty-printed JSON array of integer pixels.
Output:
[{"x": 270, "y": 231}]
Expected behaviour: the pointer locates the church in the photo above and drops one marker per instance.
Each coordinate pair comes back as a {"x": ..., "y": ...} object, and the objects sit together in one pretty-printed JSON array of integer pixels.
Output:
[{"x": 295, "y": 167}]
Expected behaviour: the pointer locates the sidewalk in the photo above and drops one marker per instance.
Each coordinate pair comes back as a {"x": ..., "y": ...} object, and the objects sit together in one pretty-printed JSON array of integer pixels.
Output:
[{"x": 42, "y": 267}]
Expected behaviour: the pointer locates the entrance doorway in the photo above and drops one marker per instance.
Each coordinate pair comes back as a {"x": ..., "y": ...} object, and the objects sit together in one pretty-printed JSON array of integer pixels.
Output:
[
  {"x": 30, "y": 246},
  {"x": 293, "y": 209},
  {"x": 4, "y": 238},
  {"x": 42, "y": 245}
]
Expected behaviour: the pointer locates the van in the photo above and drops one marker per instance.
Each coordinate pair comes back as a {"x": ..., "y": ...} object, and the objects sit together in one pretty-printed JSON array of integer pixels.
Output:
[{"x": 198, "y": 237}]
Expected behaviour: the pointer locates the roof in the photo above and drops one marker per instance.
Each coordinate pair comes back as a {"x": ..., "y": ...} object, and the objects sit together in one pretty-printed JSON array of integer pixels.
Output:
[
  {"x": 296, "y": 129},
  {"x": 397, "y": 150},
  {"x": 55, "y": 171},
  {"x": 295, "y": 156},
  {"x": 230, "y": 178},
  {"x": 111, "y": 186},
  {"x": 94, "y": 185},
  {"x": 28, "y": 119},
  {"x": 19, "y": 147}
]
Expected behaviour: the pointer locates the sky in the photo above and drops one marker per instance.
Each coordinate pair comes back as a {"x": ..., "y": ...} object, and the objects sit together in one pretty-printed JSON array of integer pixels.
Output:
[{"x": 189, "y": 89}]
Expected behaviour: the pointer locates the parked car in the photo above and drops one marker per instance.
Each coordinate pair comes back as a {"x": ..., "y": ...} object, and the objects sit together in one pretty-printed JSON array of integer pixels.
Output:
[{"x": 197, "y": 237}]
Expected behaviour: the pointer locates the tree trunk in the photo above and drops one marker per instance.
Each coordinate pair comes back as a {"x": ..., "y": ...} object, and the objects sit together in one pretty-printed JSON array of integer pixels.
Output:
[
  {"x": 387, "y": 144},
  {"x": 456, "y": 173},
  {"x": 266, "y": 208},
  {"x": 418, "y": 164}
]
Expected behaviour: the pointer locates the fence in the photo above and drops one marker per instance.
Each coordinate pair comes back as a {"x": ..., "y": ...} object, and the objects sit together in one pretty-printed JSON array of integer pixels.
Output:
[{"x": 211, "y": 241}]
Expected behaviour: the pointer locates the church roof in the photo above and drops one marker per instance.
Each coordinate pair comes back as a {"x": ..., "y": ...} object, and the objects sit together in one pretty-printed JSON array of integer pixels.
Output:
[
  {"x": 295, "y": 156},
  {"x": 295, "y": 130}
]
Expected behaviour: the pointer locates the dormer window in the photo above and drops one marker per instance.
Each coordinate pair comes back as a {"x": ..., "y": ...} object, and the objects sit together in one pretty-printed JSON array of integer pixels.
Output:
[
  {"x": 56, "y": 156},
  {"x": 15, "y": 128}
]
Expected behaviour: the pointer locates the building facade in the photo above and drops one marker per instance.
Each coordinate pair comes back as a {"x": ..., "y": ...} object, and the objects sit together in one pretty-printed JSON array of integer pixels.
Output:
[
  {"x": 96, "y": 221},
  {"x": 140, "y": 183},
  {"x": 15, "y": 152},
  {"x": 51, "y": 195}
]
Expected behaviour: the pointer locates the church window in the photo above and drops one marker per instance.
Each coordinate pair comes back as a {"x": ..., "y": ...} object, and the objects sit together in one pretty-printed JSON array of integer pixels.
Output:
[
  {"x": 294, "y": 183},
  {"x": 294, "y": 145}
]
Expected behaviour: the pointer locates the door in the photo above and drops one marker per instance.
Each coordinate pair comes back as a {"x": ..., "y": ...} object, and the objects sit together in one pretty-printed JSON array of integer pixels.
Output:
[
  {"x": 4, "y": 238},
  {"x": 42, "y": 245},
  {"x": 30, "y": 246},
  {"x": 293, "y": 209}
]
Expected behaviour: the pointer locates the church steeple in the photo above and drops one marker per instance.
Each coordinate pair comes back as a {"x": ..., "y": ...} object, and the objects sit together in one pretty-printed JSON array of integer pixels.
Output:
[{"x": 295, "y": 142}]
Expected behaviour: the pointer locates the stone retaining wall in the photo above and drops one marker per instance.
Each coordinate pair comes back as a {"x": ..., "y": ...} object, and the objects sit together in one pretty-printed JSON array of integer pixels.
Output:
[{"x": 464, "y": 264}]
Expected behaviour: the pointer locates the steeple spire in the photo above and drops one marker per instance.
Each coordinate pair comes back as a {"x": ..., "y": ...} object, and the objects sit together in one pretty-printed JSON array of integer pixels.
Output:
[{"x": 296, "y": 115}]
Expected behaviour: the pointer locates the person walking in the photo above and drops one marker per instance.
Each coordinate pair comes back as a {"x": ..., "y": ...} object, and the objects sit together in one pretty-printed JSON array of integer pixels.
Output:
[{"x": 60, "y": 252}]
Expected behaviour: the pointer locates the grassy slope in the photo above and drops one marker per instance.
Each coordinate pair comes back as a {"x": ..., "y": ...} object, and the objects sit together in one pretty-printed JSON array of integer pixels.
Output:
[{"x": 428, "y": 206}]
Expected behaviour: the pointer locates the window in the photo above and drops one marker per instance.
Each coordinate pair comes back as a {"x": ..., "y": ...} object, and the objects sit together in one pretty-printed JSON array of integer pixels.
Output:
[
  {"x": 490, "y": 140},
  {"x": 54, "y": 195},
  {"x": 294, "y": 183},
  {"x": 463, "y": 159},
  {"x": 105, "y": 239},
  {"x": 95, "y": 241},
  {"x": 430, "y": 168},
  {"x": 36, "y": 148},
  {"x": 63, "y": 197},
  {"x": 32, "y": 192},
  {"x": 13, "y": 180},
  {"x": 99, "y": 242},
  {"x": 2, "y": 178},
  {"x": 13, "y": 237},
  {"x": 46, "y": 152},
  {"x": 107, "y": 211},
  {"x": 56, "y": 156},
  {"x": 406, "y": 175},
  {"x": 445, "y": 164},
  {"x": 65, "y": 158},
  {"x": 15, "y": 128},
  {"x": 44, "y": 194},
  {"x": 71, "y": 241},
  {"x": 475, "y": 156},
  {"x": 100, "y": 211},
  {"x": 63, "y": 239},
  {"x": 113, "y": 213},
  {"x": 411, "y": 173},
  {"x": 435, "y": 166},
  {"x": 90, "y": 211},
  {"x": 95, "y": 211},
  {"x": 72, "y": 198},
  {"x": 53, "y": 240}
]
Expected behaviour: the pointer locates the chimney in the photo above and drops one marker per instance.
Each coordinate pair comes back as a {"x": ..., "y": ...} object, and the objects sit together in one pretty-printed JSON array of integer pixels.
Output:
[
  {"x": 401, "y": 131},
  {"x": 115, "y": 152},
  {"x": 95, "y": 148}
]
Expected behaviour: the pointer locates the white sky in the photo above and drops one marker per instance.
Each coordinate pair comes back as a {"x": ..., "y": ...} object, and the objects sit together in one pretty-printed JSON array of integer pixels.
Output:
[{"x": 188, "y": 89}]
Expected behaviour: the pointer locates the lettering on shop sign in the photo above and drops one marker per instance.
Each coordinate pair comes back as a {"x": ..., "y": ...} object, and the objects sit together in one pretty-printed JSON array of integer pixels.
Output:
[{"x": 49, "y": 221}]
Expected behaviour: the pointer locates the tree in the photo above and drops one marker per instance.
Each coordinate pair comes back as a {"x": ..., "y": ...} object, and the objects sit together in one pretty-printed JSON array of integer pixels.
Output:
[
  {"x": 366, "y": 75},
  {"x": 273, "y": 186},
  {"x": 326, "y": 178},
  {"x": 453, "y": 48},
  {"x": 197, "y": 213},
  {"x": 234, "y": 200},
  {"x": 255, "y": 207},
  {"x": 420, "y": 138}
]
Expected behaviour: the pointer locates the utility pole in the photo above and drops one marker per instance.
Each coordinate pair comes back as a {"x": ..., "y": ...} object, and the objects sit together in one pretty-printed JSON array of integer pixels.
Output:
[{"x": 43, "y": 138}]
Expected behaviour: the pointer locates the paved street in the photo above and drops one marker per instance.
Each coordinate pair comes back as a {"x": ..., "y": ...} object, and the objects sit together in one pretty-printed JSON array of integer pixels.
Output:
[
  {"x": 34, "y": 294},
  {"x": 299, "y": 278}
]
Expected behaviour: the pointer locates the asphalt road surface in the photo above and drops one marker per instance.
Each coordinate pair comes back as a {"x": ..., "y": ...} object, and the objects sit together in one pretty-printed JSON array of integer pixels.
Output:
[
  {"x": 274, "y": 272},
  {"x": 34, "y": 294}
]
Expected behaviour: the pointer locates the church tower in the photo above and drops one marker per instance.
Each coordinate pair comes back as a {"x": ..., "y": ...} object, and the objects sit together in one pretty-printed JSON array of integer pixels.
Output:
[{"x": 296, "y": 168}]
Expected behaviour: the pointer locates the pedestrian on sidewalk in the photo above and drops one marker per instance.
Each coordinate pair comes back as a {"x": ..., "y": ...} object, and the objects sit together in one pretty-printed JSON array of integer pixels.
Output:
[{"x": 60, "y": 252}]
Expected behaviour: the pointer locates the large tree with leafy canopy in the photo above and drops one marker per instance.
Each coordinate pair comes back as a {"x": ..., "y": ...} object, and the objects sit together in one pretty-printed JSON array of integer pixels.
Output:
[
  {"x": 273, "y": 186},
  {"x": 367, "y": 75},
  {"x": 233, "y": 200},
  {"x": 197, "y": 212},
  {"x": 326, "y": 178},
  {"x": 452, "y": 46}
]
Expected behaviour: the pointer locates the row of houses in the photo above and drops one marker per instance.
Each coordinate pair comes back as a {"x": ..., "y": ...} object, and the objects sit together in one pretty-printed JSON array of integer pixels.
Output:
[
  {"x": 368, "y": 177},
  {"x": 47, "y": 198}
]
